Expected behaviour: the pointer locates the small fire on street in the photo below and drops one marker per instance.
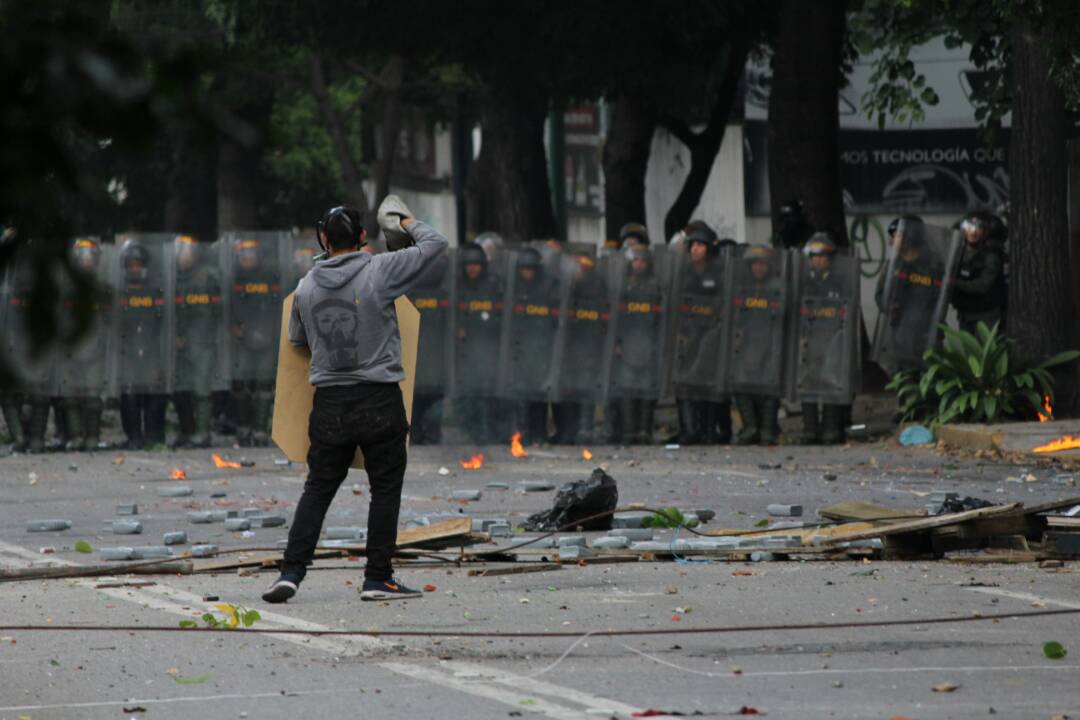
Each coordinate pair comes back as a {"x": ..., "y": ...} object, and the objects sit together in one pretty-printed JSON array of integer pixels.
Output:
[
  {"x": 177, "y": 474},
  {"x": 1065, "y": 442},
  {"x": 516, "y": 448},
  {"x": 1047, "y": 413},
  {"x": 221, "y": 462},
  {"x": 586, "y": 454},
  {"x": 474, "y": 463}
]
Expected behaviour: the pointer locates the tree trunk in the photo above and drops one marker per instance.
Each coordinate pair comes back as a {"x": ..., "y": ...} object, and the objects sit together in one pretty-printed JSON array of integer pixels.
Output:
[
  {"x": 804, "y": 120},
  {"x": 512, "y": 159},
  {"x": 1041, "y": 314},
  {"x": 705, "y": 145},
  {"x": 390, "y": 89},
  {"x": 626, "y": 156},
  {"x": 191, "y": 206},
  {"x": 237, "y": 178},
  {"x": 351, "y": 176}
]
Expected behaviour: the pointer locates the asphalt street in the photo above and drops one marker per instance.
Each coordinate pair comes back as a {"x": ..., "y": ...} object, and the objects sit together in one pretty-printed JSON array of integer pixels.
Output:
[{"x": 998, "y": 666}]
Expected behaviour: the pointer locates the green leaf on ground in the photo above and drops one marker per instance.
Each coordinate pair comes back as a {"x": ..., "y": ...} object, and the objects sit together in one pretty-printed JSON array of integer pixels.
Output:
[
  {"x": 188, "y": 624},
  {"x": 763, "y": 522},
  {"x": 83, "y": 547},
  {"x": 1054, "y": 650}
]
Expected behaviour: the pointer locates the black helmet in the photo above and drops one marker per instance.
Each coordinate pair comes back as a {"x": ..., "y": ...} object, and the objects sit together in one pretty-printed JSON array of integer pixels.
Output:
[
  {"x": 132, "y": 250},
  {"x": 530, "y": 258},
  {"x": 758, "y": 252},
  {"x": 634, "y": 229},
  {"x": 725, "y": 243},
  {"x": 907, "y": 219},
  {"x": 473, "y": 254}
]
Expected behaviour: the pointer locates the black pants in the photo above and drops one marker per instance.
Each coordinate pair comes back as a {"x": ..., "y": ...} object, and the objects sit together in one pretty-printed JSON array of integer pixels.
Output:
[{"x": 371, "y": 417}]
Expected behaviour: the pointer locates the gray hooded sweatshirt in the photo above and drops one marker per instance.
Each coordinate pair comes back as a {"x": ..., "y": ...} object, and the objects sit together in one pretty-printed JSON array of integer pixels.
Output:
[{"x": 343, "y": 310}]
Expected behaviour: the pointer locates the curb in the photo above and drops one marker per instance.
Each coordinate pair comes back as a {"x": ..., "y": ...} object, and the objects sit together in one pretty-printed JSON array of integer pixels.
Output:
[{"x": 970, "y": 437}]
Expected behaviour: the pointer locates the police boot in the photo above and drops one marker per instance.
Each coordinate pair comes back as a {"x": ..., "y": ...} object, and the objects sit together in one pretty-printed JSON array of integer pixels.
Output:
[
  {"x": 242, "y": 412},
  {"x": 131, "y": 421},
  {"x": 769, "y": 420},
  {"x": 630, "y": 410},
  {"x": 63, "y": 433},
  {"x": 262, "y": 408},
  {"x": 35, "y": 430},
  {"x": 184, "y": 403},
  {"x": 203, "y": 411},
  {"x": 748, "y": 433},
  {"x": 722, "y": 410},
  {"x": 154, "y": 414},
  {"x": 615, "y": 421},
  {"x": 811, "y": 434},
  {"x": 91, "y": 422},
  {"x": 14, "y": 423},
  {"x": 832, "y": 422},
  {"x": 646, "y": 411},
  {"x": 689, "y": 431},
  {"x": 536, "y": 422},
  {"x": 71, "y": 409}
]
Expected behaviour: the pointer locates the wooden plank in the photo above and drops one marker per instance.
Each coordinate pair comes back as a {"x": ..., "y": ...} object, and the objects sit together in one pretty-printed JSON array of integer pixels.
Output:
[
  {"x": 1051, "y": 506},
  {"x": 1062, "y": 521},
  {"x": 457, "y": 529},
  {"x": 516, "y": 570},
  {"x": 865, "y": 511},
  {"x": 168, "y": 566},
  {"x": 926, "y": 523}
]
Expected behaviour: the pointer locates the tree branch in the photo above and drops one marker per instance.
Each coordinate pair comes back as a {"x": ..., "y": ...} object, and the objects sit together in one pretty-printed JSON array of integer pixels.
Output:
[{"x": 334, "y": 125}]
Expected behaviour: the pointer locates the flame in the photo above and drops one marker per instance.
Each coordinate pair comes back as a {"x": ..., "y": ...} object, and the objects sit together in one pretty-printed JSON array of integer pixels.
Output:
[
  {"x": 585, "y": 454},
  {"x": 516, "y": 448},
  {"x": 223, "y": 463},
  {"x": 177, "y": 474},
  {"x": 1048, "y": 415},
  {"x": 474, "y": 463},
  {"x": 1065, "y": 442}
]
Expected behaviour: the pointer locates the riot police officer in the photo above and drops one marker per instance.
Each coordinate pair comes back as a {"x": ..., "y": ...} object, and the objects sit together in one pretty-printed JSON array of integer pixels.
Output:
[
  {"x": 255, "y": 317},
  {"x": 634, "y": 235},
  {"x": 979, "y": 292},
  {"x": 198, "y": 308},
  {"x": 432, "y": 300},
  {"x": 479, "y": 310},
  {"x": 704, "y": 418},
  {"x": 824, "y": 285},
  {"x": 794, "y": 229},
  {"x": 533, "y": 326},
  {"x": 142, "y": 325},
  {"x": 638, "y": 339},
  {"x": 758, "y": 348}
]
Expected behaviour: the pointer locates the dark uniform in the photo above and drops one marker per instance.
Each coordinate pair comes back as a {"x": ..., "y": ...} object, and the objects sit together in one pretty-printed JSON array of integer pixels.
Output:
[
  {"x": 828, "y": 295},
  {"x": 639, "y": 337},
  {"x": 758, "y": 317},
  {"x": 142, "y": 357},
  {"x": 703, "y": 417},
  {"x": 432, "y": 299},
  {"x": 83, "y": 372},
  {"x": 35, "y": 382},
  {"x": 908, "y": 313},
  {"x": 255, "y": 316},
  {"x": 979, "y": 292},
  {"x": 479, "y": 300},
  {"x": 198, "y": 308},
  {"x": 534, "y": 320},
  {"x": 10, "y": 396},
  {"x": 584, "y": 313}
]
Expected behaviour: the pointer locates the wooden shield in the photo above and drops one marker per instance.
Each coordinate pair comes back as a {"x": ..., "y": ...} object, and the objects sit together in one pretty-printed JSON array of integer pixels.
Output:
[{"x": 294, "y": 394}]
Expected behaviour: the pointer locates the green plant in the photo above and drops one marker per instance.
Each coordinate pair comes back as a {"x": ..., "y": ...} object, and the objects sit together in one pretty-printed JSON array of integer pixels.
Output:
[
  {"x": 668, "y": 517},
  {"x": 234, "y": 616},
  {"x": 969, "y": 379}
]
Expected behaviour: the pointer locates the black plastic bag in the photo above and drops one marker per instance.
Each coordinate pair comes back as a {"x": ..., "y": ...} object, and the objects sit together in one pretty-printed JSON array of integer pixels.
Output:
[{"x": 576, "y": 500}]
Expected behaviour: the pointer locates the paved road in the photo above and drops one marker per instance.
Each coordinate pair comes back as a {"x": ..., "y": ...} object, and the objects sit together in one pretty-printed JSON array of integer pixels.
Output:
[{"x": 849, "y": 673}]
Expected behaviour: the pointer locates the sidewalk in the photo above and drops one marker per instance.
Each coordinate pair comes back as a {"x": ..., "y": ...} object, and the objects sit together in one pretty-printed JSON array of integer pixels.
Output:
[{"x": 1018, "y": 437}]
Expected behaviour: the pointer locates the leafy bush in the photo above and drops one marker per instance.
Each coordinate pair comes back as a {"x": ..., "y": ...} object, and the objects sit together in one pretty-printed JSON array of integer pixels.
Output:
[
  {"x": 668, "y": 517},
  {"x": 969, "y": 379}
]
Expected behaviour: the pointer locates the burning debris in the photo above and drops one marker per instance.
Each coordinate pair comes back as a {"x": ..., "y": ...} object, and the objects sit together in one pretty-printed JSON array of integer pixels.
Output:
[
  {"x": 586, "y": 454},
  {"x": 177, "y": 474},
  {"x": 220, "y": 462},
  {"x": 474, "y": 463},
  {"x": 516, "y": 448},
  {"x": 1048, "y": 410},
  {"x": 1065, "y": 442}
]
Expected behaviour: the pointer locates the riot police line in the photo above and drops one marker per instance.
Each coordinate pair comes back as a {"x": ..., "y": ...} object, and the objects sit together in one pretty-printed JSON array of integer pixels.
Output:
[{"x": 564, "y": 343}]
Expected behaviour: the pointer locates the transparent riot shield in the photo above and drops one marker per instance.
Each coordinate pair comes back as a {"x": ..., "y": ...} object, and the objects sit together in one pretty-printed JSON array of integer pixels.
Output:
[
  {"x": 758, "y": 298},
  {"x": 531, "y": 324},
  {"x": 83, "y": 369},
  {"x": 143, "y": 315},
  {"x": 478, "y": 295},
  {"x": 639, "y": 322},
  {"x": 584, "y": 346},
  {"x": 299, "y": 257},
  {"x": 431, "y": 297},
  {"x": 253, "y": 294},
  {"x": 823, "y": 366},
  {"x": 699, "y": 325},
  {"x": 912, "y": 295},
  {"x": 198, "y": 298}
]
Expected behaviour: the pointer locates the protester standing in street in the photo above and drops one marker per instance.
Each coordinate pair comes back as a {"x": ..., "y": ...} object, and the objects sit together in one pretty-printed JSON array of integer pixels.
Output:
[{"x": 343, "y": 310}]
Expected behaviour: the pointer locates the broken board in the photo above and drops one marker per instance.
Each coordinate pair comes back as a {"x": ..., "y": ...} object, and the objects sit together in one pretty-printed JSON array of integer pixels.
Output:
[
  {"x": 293, "y": 392},
  {"x": 458, "y": 528},
  {"x": 921, "y": 524},
  {"x": 858, "y": 510}
]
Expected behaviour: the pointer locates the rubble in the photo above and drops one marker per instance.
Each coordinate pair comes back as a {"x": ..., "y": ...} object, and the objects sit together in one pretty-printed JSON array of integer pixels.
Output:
[
  {"x": 346, "y": 533},
  {"x": 127, "y": 509},
  {"x": 779, "y": 510},
  {"x": 50, "y": 525},
  {"x": 237, "y": 524},
  {"x": 536, "y": 486},
  {"x": 126, "y": 527},
  {"x": 178, "y": 537},
  {"x": 204, "y": 551},
  {"x": 267, "y": 520},
  {"x": 175, "y": 491},
  {"x": 118, "y": 553},
  {"x": 466, "y": 494},
  {"x": 150, "y": 552}
]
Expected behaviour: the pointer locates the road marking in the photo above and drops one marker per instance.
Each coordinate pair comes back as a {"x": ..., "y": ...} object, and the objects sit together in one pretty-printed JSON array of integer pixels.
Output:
[
  {"x": 180, "y": 602},
  {"x": 543, "y": 688},
  {"x": 870, "y": 671},
  {"x": 1026, "y": 597}
]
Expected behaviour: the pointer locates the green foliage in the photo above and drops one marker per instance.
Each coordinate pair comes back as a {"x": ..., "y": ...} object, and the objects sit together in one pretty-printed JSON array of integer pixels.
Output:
[
  {"x": 969, "y": 379},
  {"x": 668, "y": 517},
  {"x": 83, "y": 547},
  {"x": 1054, "y": 650},
  {"x": 233, "y": 616}
]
